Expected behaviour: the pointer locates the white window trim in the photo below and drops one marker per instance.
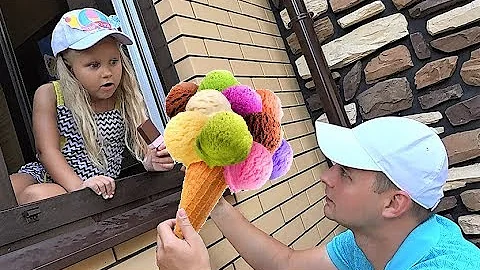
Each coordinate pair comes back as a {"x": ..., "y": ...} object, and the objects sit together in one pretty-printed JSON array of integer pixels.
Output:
[{"x": 143, "y": 64}]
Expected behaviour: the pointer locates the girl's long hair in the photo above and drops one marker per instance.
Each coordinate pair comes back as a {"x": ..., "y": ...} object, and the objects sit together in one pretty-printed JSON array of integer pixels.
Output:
[{"x": 130, "y": 104}]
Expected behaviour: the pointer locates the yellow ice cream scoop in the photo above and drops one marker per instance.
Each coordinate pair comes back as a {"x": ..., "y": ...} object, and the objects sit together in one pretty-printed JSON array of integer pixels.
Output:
[{"x": 181, "y": 133}]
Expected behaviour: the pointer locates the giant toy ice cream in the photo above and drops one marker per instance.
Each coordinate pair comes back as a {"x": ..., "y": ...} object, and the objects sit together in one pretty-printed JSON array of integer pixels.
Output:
[{"x": 227, "y": 135}]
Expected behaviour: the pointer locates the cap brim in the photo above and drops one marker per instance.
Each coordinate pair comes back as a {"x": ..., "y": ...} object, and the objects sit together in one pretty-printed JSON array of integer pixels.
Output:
[
  {"x": 94, "y": 38},
  {"x": 340, "y": 146}
]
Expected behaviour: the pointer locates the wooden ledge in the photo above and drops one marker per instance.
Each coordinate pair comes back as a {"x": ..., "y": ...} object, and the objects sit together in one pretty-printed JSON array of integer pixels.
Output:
[
  {"x": 66, "y": 249},
  {"x": 30, "y": 220}
]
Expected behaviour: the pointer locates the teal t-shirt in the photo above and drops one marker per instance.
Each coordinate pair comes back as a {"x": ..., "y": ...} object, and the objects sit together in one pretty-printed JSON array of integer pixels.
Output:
[{"x": 435, "y": 244}]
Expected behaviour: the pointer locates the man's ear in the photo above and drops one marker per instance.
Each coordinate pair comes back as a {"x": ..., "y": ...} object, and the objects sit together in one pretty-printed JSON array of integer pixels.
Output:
[{"x": 396, "y": 204}]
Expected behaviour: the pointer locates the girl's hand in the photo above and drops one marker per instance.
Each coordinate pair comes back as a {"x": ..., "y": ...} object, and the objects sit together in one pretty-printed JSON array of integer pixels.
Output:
[
  {"x": 101, "y": 185},
  {"x": 158, "y": 159}
]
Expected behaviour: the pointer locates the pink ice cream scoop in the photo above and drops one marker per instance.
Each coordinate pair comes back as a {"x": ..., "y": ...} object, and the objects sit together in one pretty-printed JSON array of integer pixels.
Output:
[
  {"x": 252, "y": 173},
  {"x": 244, "y": 100}
]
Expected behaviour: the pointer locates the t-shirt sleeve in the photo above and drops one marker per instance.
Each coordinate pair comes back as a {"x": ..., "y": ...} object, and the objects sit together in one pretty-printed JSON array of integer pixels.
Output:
[
  {"x": 345, "y": 254},
  {"x": 340, "y": 250}
]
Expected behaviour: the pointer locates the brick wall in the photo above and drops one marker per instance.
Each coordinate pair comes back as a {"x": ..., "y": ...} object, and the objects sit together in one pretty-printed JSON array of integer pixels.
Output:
[{"x": 242, "y": 36}]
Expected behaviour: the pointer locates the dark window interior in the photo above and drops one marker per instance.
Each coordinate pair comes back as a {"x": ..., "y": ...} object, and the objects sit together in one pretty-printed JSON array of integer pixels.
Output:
[
  {"x": 30, "y": 39},
  {"x": 27, "y": 38}
]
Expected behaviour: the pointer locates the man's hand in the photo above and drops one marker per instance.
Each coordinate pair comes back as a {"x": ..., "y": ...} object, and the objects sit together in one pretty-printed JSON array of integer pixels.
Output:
[
  {"x": 158, "y": 159},
  {"x": 177, "y": 254}
]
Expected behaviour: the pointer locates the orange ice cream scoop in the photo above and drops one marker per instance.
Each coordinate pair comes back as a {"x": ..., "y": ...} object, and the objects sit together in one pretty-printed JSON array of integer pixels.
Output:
[{"x": 271, "y": 104}]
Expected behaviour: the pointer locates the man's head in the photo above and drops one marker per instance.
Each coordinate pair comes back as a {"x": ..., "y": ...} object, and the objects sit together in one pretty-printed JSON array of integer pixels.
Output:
[
  {"x": 408, "y": 153},
  {"x": 382, "y": 185}
]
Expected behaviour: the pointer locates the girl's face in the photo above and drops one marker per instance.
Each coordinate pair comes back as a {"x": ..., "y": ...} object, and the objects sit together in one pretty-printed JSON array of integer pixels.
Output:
[{"x": 99, "y": 70}]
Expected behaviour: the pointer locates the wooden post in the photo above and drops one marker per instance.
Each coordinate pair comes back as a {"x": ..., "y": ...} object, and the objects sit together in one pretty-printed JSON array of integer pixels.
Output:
[
  {"x": 7, "y": 197},
  {"x": 302, "y": 25}
]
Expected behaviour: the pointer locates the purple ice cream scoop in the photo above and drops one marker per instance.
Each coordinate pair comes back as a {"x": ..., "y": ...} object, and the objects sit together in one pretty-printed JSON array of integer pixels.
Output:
[
  {"x": 244, "y": 100},
  {"x": 282, "y": 160}
]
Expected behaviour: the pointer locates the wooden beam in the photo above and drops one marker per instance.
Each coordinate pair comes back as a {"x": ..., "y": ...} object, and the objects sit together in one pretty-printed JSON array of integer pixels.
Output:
[
  {"x": 27, "y": 220},
  {"x": 277, "y": 3},
  {"x": 302, "y": 25},
  {"x": 66, "y": 249},
  {"x": 158, "y": 43},
  {"x": 7, "y": 197}
]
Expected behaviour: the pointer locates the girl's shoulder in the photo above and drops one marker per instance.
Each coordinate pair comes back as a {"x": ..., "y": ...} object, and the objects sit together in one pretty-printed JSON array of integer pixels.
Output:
[
  {"x": 46, "y": 94},
  {"x": 47, "y": 87}
]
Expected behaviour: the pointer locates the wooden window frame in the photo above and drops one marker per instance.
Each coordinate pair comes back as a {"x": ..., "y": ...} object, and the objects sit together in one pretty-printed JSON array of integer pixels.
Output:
[{"x": 60, "y": 231}]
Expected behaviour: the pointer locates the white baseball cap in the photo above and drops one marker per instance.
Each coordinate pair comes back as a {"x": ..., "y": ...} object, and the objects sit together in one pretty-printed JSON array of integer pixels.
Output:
[
  {"x": 410, "y": 153},
  {"x": 80, "y": 29}
]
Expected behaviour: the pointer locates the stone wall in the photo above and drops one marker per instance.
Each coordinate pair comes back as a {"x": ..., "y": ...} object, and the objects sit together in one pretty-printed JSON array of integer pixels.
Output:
[{"x": 418, "y": 59}]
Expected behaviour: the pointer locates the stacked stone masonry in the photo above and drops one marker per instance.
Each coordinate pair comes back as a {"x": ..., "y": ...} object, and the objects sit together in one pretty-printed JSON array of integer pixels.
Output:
[{"x": 411, "y": 58}]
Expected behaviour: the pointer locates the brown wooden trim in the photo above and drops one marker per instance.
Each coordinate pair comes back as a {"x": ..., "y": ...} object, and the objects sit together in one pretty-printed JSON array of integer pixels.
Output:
[
  {"x": 302, "y": 25},
  {"x": 157, "y": 43},
  {"x": 69, "y": 248},
  {"x": 17, "y": 83},
  {"x": 277, "y": 3},
  {"x": 105, "y": 6},
  {"x": 57, "y": 211},
  {"x": 7, "y": 197}
]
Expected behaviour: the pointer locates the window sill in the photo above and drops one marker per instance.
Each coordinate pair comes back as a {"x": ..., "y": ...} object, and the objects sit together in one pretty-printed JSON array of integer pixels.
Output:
[{"x": 67, "y": 232}]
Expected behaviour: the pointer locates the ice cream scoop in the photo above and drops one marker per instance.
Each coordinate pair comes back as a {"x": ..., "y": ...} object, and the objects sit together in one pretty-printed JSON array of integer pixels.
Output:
[
  {"x": 244, "y": 99},
  {"x": 224, "y": 140},
  {"x": 218, "y": 80},
  {"x": 226, "y": 134},
  {"x": 252, "y": 173},
  {"x": 282, "y": 160},
  {"x": 265, "y": 129},
  {"x": 178, "y": 97},
  {"x": 208, "y": 102},
  {"x": 181, "y": 134},
  {"x": 271, "y": 103}
]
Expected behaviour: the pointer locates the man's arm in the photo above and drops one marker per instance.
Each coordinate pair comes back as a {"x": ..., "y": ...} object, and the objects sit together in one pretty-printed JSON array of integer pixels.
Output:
[{"x": 262, "y": 251}]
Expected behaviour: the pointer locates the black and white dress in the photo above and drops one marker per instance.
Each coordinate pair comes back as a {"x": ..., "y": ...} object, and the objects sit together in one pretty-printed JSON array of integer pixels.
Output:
[{"x": 111, "y": 128}]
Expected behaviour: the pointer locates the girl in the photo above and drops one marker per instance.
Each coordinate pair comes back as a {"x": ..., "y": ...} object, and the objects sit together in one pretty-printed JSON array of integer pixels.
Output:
[{"x": 83, "y": 122}]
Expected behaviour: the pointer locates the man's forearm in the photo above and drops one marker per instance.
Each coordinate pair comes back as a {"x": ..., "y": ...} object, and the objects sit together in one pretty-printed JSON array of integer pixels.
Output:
[{"x": 260, "y": 250}]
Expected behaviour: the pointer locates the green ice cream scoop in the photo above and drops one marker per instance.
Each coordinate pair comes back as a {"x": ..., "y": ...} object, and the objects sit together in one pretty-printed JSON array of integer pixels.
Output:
[
  {"x": 218, "y": 79},
  {"x": 224, "y": 140}
]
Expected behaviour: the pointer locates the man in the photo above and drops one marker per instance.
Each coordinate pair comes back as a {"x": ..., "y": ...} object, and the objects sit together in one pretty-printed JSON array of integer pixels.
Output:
[{"x": 387, "y": 176}]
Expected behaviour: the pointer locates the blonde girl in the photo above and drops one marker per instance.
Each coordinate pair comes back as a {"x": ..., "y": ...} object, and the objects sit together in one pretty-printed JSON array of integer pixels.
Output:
[{"x": 83, "y": 122}]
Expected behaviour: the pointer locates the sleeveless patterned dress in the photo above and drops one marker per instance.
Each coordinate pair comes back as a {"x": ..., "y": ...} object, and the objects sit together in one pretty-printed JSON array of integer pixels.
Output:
[{"x": 111, "y": 127}]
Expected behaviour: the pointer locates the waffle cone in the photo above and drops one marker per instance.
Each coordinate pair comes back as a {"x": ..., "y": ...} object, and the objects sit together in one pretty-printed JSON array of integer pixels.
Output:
[{"x": 202, "y": 188}]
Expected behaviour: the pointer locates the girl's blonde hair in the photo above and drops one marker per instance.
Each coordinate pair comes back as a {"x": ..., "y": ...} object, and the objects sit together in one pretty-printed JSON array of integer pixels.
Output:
[{"x": 131, "y": 107}]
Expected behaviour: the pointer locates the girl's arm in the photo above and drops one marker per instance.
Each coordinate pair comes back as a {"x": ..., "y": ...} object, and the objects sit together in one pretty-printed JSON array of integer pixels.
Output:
[{"x": 47, "y": 139}]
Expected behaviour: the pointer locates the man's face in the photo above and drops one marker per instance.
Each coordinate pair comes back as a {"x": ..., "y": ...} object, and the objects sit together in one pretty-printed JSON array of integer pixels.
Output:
[{"x": 350, "y": 199}]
